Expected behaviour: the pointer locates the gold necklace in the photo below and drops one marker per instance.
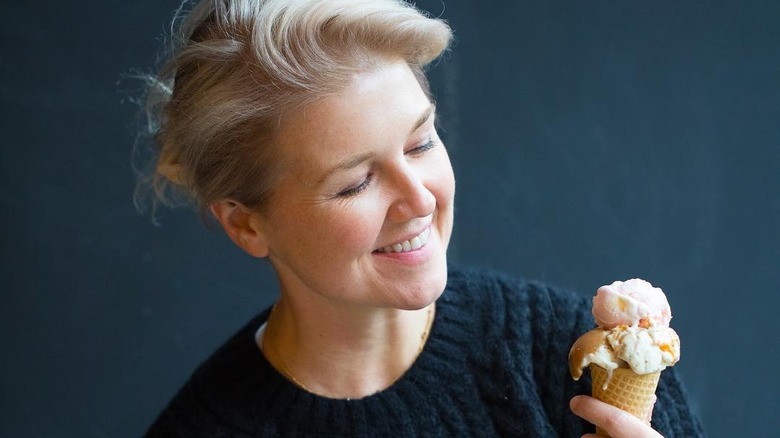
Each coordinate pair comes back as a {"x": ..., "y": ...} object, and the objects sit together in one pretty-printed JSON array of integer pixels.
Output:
[{"x": 286, "y": 371}]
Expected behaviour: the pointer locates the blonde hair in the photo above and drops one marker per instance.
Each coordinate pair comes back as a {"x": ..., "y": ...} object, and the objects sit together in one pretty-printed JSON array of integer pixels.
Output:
[{"x": 239, "y": 65}]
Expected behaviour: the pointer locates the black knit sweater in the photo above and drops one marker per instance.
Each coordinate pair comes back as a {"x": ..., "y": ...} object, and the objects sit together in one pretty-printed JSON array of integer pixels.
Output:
[{"x": 495, "y": 364}]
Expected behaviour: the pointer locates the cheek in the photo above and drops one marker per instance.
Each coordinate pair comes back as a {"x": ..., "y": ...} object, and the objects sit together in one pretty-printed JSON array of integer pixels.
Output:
[
  {"x": 442, "y": 183},
  {"x": 355, "y": 229}
]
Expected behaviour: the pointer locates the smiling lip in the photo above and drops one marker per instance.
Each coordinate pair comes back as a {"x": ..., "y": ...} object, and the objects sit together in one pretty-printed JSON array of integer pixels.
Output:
[{"x": 408, "y": 245}]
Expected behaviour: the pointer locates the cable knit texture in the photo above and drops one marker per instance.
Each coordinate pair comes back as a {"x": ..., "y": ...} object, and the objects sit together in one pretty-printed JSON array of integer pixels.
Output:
[{"x": 495, "y": 364}]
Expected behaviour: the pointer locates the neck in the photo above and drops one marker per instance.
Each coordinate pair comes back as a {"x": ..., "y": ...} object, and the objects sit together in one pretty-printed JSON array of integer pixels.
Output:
[{"x": 347, "y": 354}]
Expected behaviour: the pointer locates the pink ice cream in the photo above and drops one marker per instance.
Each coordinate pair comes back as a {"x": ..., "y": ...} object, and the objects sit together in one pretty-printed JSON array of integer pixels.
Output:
[{"x": 632, "y": 303}]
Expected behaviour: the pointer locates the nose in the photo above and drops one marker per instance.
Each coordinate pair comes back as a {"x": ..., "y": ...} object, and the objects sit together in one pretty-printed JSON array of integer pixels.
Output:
[{"x": 412, "y": 198}]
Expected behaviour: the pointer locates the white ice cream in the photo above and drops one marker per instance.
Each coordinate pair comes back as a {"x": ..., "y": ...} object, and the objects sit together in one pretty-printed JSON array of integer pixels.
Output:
[{"x": 645, "y": 350}]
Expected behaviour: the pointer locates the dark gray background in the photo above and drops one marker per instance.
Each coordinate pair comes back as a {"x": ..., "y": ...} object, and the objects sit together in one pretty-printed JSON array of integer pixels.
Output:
[{"x": 592, "y": 141}]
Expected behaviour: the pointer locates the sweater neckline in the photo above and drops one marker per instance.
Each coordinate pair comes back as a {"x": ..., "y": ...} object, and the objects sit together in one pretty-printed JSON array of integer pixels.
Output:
[{"x": 449, "y": 322}]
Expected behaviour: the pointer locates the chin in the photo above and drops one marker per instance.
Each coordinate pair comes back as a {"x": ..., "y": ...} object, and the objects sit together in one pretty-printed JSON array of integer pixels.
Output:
[{"x": 427, "y": 291}]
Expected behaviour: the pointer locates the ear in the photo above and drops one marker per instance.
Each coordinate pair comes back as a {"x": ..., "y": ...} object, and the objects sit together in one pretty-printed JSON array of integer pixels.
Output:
[{"x": 243, "y": 226}]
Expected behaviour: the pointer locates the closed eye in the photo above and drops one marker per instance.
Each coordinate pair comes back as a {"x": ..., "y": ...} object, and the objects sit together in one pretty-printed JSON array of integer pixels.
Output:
[
  {"x": 430, "y": 144},
  {"x": 352, "y": 191}
]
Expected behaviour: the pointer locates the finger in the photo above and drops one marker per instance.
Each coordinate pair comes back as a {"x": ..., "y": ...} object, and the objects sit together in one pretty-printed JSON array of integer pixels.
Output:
[{"x": 616, "y": 422}]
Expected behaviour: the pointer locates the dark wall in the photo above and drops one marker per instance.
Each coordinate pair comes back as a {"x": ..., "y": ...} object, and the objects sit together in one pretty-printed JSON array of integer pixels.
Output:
[{"x": 592, "y": 141}]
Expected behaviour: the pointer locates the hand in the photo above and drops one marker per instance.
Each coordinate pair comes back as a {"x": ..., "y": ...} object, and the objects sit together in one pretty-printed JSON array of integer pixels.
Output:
[{"x": 616, "y": 422}]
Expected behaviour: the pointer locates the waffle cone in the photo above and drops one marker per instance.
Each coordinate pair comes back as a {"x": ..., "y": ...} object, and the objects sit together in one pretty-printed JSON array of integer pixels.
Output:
[{"x": 631, "y": 392}]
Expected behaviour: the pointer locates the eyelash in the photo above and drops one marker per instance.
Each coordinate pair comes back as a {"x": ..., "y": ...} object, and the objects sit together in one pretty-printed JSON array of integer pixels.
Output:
[
  {"x": 419, "y": 150},
  {"x": 357, "y": 189},
  {"x": 422, "y": 148}
]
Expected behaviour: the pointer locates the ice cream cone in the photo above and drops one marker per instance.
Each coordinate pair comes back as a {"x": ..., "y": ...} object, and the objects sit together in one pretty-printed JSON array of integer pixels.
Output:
[{"x": 631, "y": 392}]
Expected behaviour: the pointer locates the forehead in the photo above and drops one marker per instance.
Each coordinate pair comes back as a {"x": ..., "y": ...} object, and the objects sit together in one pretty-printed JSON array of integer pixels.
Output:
[{"x": 377, "y": 109}]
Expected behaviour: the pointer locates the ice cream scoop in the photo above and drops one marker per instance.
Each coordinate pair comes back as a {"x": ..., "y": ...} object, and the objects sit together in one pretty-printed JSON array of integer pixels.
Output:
[
  {"x": 632, "y": 302},
  {"x": 591, "y": 348}
]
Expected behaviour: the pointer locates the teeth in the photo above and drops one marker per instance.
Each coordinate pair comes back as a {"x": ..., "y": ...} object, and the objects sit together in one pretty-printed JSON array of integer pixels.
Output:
[{"x": 415, "y": 242}]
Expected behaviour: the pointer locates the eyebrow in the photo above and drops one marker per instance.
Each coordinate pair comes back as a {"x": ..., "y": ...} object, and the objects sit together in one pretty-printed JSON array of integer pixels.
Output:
[
  {"x": 355, "y": 161},
  {"x": 423, "y": 118}
]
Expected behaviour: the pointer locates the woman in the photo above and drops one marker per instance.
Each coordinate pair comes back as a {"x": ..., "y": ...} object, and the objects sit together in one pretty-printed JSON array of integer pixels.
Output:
[{"x": 307, "y": 130}]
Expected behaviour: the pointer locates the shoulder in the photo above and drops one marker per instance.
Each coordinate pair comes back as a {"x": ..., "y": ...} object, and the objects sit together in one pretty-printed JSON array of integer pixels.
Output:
[
  {"x": 535, "y": 301},
  {"x": 221, "y": 391},
  {"x": 528, "y": 326},
  {"x": 538, "y": 321}
]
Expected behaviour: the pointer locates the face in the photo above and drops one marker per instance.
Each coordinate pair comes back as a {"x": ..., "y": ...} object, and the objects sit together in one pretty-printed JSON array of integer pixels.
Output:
[{"x": 364, "y": 213}]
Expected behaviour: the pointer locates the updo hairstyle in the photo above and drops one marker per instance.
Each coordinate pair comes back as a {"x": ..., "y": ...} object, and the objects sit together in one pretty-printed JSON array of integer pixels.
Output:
[{"x": 238, "y": 66}]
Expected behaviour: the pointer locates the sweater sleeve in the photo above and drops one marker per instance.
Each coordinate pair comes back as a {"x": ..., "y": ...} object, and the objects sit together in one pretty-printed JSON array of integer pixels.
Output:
[
  {"x": 559, "y": 318},
  {"x": 672, "y": 414}
]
